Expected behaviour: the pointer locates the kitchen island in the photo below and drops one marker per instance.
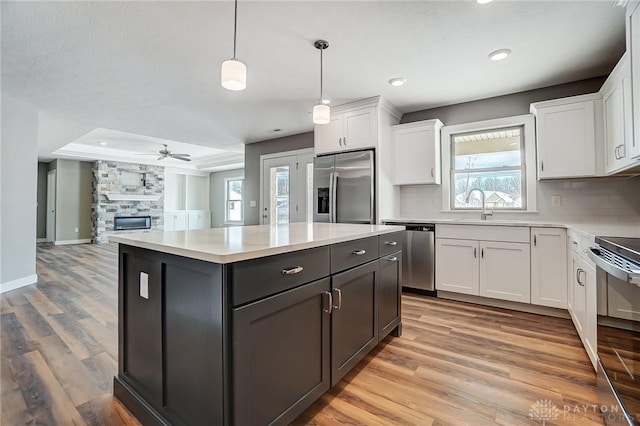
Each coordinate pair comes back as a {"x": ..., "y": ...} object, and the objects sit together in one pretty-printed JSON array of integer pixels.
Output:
[{"x": 249, "y": 325}]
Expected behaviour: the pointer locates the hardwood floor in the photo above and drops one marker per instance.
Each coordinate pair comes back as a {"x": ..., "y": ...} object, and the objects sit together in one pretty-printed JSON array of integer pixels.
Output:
[{"x": 455, "y": 363}]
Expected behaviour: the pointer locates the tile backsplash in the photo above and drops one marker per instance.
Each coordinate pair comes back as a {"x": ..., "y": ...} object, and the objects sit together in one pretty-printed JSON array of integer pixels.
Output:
[{"x": 610, "y": 200}]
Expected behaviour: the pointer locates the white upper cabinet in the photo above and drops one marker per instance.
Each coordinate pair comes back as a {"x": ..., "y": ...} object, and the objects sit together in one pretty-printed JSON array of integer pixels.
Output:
[
  {"x": 633, "y": 47},
  {"x": 548, "y": 267},
  {"x": 618, "y": 118},
  {"x": 348, "y": 130},
  {"x": 415, "y": 151},
  {"x": 568, "y": 131}
]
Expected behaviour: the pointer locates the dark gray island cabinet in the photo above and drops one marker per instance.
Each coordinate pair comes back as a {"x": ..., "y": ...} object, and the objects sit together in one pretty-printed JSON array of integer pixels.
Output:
[{"x": 250, "y": 342}]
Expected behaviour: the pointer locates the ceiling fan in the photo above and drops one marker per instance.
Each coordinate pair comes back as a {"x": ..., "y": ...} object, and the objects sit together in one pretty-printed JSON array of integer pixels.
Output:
[{"x": 164, "y": 153}]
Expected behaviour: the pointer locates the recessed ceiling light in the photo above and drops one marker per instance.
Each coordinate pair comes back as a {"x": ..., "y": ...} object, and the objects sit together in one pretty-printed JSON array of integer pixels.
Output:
[
  {"x": 484, "y": 1},
  {"x": 276, "y": 130},
  {"x": 398, "y": 81},
  {"x": 499, "y": 54},
  {"x": 103, "y": 143}
]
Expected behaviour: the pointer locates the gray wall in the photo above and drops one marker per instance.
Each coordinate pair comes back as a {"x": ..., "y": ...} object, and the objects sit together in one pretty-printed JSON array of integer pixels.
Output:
[
  {"x": 43, "y": 168},
  {"x": 73, "y": 199},
  {"x": 503, "y": 106},
  {"x": 216, "y": 194},
  {"x": 252, "y": 153},
  {"x": 18, "y": 189}
]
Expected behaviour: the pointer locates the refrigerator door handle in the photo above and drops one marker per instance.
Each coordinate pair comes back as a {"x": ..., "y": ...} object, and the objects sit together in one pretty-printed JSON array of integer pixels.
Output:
[{"x": 333, "y": 188}]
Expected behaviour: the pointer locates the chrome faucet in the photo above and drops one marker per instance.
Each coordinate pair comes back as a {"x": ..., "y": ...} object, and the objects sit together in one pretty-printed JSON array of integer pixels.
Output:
[{"x": 485, "y": 212}]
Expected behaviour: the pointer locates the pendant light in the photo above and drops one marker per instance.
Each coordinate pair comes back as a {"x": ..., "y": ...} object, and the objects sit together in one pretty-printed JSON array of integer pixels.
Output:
[
  {"x": 321, "y": 112},
  {"x": 234, "y": 72}
]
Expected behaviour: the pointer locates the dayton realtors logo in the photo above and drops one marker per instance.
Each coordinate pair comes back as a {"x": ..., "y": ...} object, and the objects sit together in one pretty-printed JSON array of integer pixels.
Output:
[{"x": 544, "y": 411}]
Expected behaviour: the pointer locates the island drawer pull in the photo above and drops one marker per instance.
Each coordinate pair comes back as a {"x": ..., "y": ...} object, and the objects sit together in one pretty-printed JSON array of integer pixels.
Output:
[
  {"x": 359, "y": 252},
  {"x": 292, "y": 271},
  {"x": 391, "y": 243},
  {"x": 329, "y": 303},
  {"x": 392, "y": 259}
]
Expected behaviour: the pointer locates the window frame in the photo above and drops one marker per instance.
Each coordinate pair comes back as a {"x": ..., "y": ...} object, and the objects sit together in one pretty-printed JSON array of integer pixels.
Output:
[
  {"x": 227, "y": 221},
  {"x": 527, "y": 123},
  {"x": 522, "y": 168}
]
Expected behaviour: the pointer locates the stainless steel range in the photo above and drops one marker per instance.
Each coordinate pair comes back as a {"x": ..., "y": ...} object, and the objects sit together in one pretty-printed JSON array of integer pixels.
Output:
[{"x": 618, "y": 289}]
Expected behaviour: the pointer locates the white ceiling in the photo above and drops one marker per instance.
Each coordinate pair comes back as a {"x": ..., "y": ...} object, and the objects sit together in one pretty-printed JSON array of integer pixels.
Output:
[
  {"x": 153, "y": 68},
  {"x": 106, "y": 144}
]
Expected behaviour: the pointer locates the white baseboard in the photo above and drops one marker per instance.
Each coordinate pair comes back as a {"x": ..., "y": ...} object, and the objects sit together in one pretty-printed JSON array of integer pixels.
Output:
[
  {"x": 41, "y": 240},
  {"x": 20, "y": 282},
  {"x": 67, "y": 242}
]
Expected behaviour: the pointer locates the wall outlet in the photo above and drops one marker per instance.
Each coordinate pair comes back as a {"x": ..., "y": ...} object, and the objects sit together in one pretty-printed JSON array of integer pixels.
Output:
[
  {"x": 144, "y": 285},
  {"x": 76, "y": 229},
  {"x": 252, "y": 203},
  {"x": 556, "y": 200}
]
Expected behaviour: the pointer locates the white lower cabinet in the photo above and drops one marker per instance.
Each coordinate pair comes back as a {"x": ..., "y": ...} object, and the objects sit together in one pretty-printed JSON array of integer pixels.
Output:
[
  {"x": 175, "y": 221},
  {"x": 548, "y": 266},
  {"x": 583, "y": 307},
  {"x": 504, "y": 271},
  {"x": 457, "y": 266},
  {"x": 495, "y": 269},
  {"x": 199, "y": 219}
]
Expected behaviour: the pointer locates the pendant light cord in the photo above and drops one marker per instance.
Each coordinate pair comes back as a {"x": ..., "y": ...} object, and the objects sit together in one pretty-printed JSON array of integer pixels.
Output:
[
  {"x": 321, "y": 75},
  {"x": 235, "y": 25}
]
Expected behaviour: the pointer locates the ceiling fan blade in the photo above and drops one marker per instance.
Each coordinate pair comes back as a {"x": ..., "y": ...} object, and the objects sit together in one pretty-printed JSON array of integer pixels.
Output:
[
  {"x": 179, "y": 155},
  {"x": 147, "y": 154},
  {"x": 181, "y": 158},
  {"x": 162, "y": 157}
]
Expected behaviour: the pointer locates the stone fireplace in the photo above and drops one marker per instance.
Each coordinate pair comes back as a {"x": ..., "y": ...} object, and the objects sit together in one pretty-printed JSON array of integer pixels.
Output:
[{"x": 126, "y": 190}]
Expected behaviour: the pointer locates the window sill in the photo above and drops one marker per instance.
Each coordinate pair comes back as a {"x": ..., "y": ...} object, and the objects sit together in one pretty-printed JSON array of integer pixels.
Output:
[
  {"x": 493, "y": 211},
  {"x": 233, "y": 223}
]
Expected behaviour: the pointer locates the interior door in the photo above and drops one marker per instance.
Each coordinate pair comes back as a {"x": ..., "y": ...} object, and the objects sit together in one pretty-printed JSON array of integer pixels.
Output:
[
  {"x": 287, "y": 184},
  {"x": 51, "y": 206}
]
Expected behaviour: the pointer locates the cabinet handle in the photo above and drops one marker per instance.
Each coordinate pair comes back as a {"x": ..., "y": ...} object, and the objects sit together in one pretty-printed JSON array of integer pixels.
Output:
[
  {"x": 340, "y": 141},
  {"x": 542, "y": 166},
  {"x": 329, "y": 303},
  {"x": 620, "y": 151},
  {"x": 392, "y": 259},
  {"x": 359, "y": 252},
  {"x": 431, "y": 172},
  {"x": 581, "y": 282},
  {"x": 475, "y": 252},
  {"x": 615, "y": 152},
  {"x": 344, "y": 141},
  {"x": 535, "y": 241},
  {"x": 391, "y": 243},
  {"x": 339, "y": 305},
  {"x": 482, "y": 253},
  {"x": 578, "y": 272},
  {"x": 292, "y": 271}
]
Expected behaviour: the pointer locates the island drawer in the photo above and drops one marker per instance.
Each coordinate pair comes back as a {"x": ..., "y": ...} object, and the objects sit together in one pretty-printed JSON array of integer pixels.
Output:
[
  {"x": 258, "y": 278},
  {"x": 353, "y": 253},
  {"x": 389, "y": 243}
]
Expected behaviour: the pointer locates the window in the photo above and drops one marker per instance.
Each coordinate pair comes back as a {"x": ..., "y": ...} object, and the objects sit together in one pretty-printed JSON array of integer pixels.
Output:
[
  {"x": 233, "y": 200},
  {"x": 496, "y": 156},
  {"x": 492, "y": 161}
]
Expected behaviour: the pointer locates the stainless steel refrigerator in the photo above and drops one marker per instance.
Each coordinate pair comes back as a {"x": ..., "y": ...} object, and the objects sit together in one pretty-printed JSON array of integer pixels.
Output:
[{"x": 343, "y": 188}]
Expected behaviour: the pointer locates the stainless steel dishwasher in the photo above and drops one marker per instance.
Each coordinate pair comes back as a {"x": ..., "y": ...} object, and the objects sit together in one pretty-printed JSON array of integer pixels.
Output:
[{"x": 418, "y": 262}]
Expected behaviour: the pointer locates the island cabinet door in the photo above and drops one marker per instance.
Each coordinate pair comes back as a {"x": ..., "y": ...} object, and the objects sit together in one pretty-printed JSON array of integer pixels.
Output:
[
  {"x": 141, "y": 322},
  {"x": 389, "y": 293},
  {"x": 281, "y": 354},
  {"x": 354, "y": 321}
]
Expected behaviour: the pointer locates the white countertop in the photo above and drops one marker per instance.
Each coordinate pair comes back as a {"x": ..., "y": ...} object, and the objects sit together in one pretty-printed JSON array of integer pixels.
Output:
[
  {"x": 233, "y": 244},
  {"x": 631, "y": 230}
]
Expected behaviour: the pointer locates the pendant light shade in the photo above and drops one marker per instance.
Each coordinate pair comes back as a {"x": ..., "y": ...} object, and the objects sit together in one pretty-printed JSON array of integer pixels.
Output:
[
  {"x": 321, "y": 112},
  {"x": 233, "y": 75}
]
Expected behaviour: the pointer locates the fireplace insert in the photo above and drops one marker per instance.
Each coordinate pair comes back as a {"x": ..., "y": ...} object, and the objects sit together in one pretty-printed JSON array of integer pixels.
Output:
[{"x": 122, "y": 223}]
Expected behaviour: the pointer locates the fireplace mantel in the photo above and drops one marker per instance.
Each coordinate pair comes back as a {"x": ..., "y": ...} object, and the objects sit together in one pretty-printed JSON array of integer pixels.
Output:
[{"x": 112, "y": 196}]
